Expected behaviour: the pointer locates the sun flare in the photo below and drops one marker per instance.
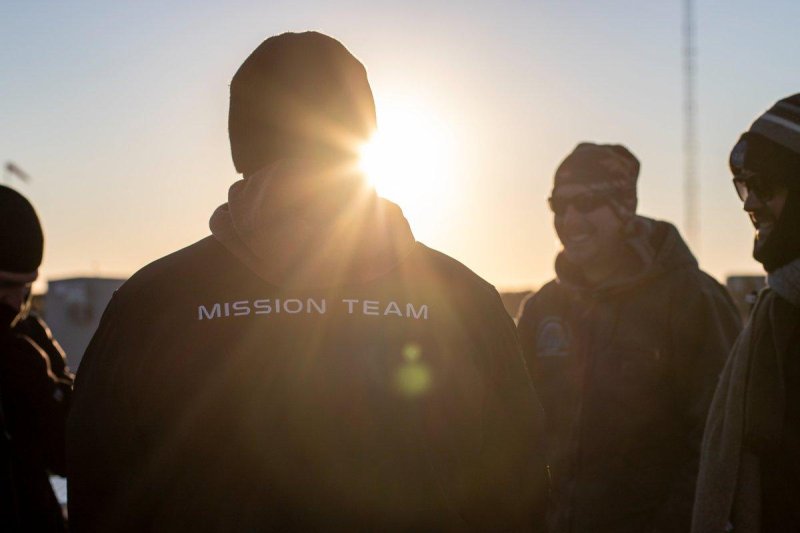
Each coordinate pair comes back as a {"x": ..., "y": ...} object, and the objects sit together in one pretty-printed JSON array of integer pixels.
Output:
[{"x": 410, "y": 159}]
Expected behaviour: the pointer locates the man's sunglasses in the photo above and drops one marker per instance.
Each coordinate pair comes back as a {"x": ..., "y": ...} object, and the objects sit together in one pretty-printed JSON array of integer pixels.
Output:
[
  {"x": 582, "y": 203},
  {"x": 747, "y": 183}
]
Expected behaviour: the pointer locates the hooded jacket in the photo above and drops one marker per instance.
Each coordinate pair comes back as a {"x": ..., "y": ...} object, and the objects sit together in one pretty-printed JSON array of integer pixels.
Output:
[
  {"x": 271, "y": 377},
  {"x": 625, "y": 372}
]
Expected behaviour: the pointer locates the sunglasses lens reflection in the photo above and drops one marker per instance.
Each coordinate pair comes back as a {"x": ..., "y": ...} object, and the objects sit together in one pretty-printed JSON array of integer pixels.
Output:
[
  {"x": 741, "y": 189},
  {"x": 762, "y": 188},
  {"x": 584, "y": 203}
]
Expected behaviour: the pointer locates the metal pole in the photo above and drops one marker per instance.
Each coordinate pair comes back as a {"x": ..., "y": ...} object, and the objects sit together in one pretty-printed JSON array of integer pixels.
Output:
[{"x": 691, "y": 191}]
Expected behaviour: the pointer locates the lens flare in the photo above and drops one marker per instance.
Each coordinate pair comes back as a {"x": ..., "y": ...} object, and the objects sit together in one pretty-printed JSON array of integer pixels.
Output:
[{"x": 410, "y": 159}]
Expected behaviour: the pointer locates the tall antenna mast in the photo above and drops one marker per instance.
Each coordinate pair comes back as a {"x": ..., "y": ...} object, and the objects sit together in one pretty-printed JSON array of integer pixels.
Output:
[{"x": 690, "y": 189}]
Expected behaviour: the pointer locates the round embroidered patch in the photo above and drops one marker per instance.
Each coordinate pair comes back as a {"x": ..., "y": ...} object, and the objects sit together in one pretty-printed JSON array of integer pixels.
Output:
[{"x": 554, "y": 338}]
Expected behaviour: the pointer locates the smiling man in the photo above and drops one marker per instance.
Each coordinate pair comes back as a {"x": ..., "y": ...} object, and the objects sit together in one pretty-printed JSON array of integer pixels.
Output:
[
  {"x": 624, "y": 348},
  {"x": 750, "y": 475}
]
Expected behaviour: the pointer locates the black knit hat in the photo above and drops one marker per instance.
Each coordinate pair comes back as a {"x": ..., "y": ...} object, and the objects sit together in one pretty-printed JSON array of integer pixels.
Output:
[
  {"x": 609, "y": 168},
  {"x": 21, "y": 239},
  {"x": 299, "y": 95}
]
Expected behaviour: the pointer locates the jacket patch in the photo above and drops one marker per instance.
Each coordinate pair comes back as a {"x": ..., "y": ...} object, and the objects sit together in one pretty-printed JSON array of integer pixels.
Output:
[{"x": 554, "y": 338}]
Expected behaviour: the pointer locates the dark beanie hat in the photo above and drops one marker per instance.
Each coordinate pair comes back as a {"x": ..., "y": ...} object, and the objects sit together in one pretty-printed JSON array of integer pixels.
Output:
[
  {"x": 299, "y": 95},
  {"x": 772, "y": 144},
  {"x": 21, "y": 239},
  {"x": 609, "y": 168}
]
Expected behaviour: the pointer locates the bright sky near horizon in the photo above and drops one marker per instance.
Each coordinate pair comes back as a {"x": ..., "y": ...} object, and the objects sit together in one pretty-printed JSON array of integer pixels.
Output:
[{"x": 119, "y": 113}]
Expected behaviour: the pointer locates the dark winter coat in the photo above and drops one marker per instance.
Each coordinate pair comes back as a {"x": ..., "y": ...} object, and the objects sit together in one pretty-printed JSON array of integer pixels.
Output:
[
  {"x": 35, "y": 402},
  {"x": 36, "y": 329},
  {"x": 213, "y": 400},
  {"x": 749, "y": 478},
  {"x": 625, "y": 372}
]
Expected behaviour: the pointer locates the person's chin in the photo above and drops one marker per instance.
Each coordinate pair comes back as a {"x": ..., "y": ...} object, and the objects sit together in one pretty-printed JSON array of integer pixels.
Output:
[
  {"x": 758, "y": 244},
  {"x": 580, "y": 255},
  {"x": 761, "y": 237}
]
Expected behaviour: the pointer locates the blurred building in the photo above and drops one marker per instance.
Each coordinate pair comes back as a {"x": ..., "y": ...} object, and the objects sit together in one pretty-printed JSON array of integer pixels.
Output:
[
  {"x": 742, "y": 288},
  {"x": 72, "y": 308},
  {"x": 512, "y": 301}
]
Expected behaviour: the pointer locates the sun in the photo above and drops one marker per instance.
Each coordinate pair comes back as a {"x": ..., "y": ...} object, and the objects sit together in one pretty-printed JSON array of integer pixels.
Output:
[{"x": 410, "y": 159}]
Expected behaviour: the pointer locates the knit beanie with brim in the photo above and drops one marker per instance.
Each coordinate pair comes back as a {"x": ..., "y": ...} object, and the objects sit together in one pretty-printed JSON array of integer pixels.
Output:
[
  {"x": 609, "y": 169},
  {"x": 771, "y": 147},
  {"x": 299, "y": 95},
  {"x": 21, "y": 239}
]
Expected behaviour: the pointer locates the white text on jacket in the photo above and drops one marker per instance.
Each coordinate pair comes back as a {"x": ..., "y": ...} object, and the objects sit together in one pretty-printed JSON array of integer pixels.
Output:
[{"x": 310, "y": 306}]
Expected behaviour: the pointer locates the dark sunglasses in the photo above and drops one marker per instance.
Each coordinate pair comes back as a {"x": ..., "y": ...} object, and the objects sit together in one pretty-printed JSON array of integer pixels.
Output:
[
  {"x": 747, "y": 182},
  {"x": 582, "y": 203},
  {"x": 13, "y": 285}
]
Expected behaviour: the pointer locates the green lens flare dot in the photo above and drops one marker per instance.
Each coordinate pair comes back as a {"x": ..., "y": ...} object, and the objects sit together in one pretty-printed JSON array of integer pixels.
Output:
[
  {"x": 412, "y": 352},
  {"x": 413, "y": 379}
]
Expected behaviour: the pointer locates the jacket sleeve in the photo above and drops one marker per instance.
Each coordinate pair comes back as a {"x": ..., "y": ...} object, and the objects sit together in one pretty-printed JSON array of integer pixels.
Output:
[
  {"x": 36, "y": 402},
  {"x": 513, "y": 453},
  {"x": 704, "y": 324},
  {"x": 102, "y": 445},
  {"x": 35, "y": 328}
]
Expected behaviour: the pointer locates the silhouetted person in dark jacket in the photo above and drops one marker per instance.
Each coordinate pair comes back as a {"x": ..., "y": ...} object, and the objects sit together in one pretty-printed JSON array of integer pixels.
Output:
[
  {"x": 35, "y": 386},
  {"x": 624, "y": 347},
  {"x": 308, "y": 366},
  {"x": 750, "y": 470}
]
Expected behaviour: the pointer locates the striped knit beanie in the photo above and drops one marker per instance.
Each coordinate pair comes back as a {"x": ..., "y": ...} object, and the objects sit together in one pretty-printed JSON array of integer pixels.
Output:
[
  {"x": 772, "y": 144},
  {"x": 603, "y": 168}
]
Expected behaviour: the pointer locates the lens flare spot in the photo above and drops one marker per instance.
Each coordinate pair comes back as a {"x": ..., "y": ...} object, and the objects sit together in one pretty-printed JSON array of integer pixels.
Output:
[
  {"x": 413, "y": 379},
  {"x": 412, "y": 352}
]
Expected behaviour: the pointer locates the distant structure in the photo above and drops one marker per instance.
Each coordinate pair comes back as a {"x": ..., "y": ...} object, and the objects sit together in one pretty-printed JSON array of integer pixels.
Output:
[
  {"x": 691, "y": 199},
  {"x": 512, "y": 301},
  {"x": 73, "y": 307},
  {"x": 12, "y": 169}
]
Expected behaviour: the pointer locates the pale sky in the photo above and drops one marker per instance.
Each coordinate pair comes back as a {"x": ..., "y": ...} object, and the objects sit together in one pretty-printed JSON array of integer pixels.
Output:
[{"x": 119, "y": 112}]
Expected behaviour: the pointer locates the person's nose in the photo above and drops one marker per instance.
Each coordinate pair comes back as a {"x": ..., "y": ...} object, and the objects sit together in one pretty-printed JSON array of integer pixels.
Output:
[
  {"x": 752, "y": 203},
  {"x": 571, "y": 215}
]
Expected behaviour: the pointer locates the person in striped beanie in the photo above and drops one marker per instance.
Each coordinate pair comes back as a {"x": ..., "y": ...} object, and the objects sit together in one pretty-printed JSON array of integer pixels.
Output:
[
  {"x": 767, "y": 159},
  {"x": 749, "y": 478}
]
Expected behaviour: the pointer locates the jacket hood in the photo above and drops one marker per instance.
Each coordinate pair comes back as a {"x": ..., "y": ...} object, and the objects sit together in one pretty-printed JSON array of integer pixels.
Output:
[
  {"x": 297, "y": 226},
  {"x": 654, "y": 248},
  {"x": 299, "y": 95}
]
